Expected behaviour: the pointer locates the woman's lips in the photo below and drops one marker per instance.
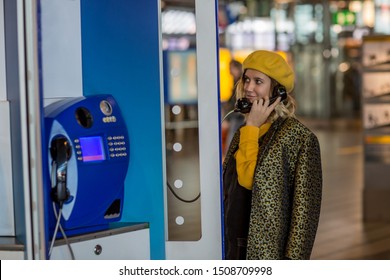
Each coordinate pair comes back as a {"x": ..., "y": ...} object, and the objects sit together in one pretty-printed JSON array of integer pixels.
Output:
[{"x": 251, "y": 98}]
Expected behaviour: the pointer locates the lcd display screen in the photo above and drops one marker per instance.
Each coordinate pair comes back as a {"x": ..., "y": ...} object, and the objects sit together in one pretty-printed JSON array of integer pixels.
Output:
[{"x": 92, "y": 148}]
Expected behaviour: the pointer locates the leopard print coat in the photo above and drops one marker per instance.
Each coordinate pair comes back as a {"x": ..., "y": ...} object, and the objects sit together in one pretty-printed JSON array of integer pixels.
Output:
[{"x": 286, "y": 195}]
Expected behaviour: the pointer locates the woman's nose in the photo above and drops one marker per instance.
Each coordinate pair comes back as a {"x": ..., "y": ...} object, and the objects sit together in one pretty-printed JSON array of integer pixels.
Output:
[{"x": 248, "y": 86}]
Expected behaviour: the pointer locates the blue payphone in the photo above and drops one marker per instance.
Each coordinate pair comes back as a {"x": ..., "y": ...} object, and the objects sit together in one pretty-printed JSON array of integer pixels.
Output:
[{"x": 87, "y": 164}]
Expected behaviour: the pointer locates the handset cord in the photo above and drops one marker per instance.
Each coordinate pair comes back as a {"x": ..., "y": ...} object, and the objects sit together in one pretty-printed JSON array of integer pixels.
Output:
[
  {"x": 228, "y": 114},
  {"x": 56, "y": 228},
  {"x": 58, "y": 217},
  {"x": 182, "y": 199},
  {"x": 197, "y": 197}
]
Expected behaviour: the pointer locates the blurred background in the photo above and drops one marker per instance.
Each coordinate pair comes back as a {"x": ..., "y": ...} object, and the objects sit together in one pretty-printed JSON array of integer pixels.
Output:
[{"x": 340, "y": 52}]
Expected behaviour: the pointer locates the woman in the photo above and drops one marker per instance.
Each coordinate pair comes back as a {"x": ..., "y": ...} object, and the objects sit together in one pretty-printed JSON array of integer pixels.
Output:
[{"x": 272, "y": 173}]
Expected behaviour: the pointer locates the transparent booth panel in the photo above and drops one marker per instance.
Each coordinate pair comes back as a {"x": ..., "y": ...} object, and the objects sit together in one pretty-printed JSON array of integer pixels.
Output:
[{"x": 182, "y": 146}]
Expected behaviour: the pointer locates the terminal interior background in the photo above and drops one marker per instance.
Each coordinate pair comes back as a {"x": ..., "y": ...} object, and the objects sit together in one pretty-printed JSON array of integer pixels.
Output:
[
  {"x": 323, "y": 41},
  {"x": 340, "y": 53}
]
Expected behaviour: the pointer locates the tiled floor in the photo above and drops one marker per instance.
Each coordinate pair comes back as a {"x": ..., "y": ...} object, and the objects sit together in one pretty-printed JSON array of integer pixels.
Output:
[{"x": 342, "y": 234}]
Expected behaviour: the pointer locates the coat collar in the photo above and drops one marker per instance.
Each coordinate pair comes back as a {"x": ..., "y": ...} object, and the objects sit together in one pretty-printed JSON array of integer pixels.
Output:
[{"x": 265, "y": 141}]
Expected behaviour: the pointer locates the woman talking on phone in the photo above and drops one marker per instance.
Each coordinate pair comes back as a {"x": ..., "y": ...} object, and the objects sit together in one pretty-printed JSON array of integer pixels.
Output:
[{"x": 272, "y": 175}]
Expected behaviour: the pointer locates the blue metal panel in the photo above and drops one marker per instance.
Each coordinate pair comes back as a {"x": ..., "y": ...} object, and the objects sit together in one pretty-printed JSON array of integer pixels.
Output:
[{"x": 120, "y": 56}]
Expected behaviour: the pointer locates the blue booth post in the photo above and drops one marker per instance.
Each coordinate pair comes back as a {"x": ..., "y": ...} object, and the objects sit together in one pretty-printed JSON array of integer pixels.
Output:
[{"x": 121, "y": 57}]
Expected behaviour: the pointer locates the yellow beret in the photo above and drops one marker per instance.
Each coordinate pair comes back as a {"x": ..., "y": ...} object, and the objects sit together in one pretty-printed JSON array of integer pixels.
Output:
[{"x": 273, "y": 65}]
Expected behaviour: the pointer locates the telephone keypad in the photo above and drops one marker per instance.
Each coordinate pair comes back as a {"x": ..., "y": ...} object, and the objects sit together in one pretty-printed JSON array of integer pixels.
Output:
[{"x": 117, "y": 146}]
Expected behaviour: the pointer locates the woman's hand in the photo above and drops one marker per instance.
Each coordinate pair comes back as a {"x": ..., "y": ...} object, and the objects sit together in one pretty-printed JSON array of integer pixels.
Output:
[{"x": 260, "y": 112}]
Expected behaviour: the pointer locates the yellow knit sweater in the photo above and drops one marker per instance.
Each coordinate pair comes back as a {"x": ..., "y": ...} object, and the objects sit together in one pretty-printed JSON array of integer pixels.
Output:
[{"x": 246, "y": 155}]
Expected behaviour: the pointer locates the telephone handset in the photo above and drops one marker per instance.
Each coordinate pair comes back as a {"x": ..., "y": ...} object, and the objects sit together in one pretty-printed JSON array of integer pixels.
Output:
[
  {"x": 244, "y": 106},
  {"x": 60, "y": 152}
]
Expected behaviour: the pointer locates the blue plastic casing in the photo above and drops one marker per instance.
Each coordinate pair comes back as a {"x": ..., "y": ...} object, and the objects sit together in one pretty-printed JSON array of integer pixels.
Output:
[{"x": 98, "y": 164}]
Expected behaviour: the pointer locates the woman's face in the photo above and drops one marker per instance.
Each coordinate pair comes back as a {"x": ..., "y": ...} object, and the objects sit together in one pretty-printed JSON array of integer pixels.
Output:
[{"x": 257, "y": 85}]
